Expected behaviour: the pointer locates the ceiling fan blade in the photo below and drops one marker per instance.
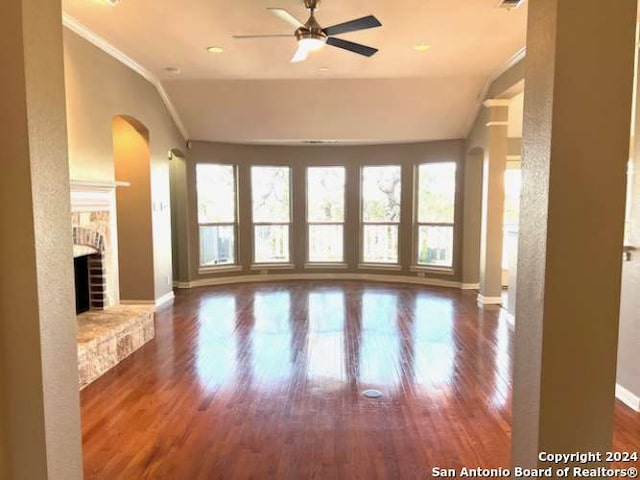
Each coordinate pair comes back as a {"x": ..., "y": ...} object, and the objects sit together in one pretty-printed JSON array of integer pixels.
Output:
[
  {"x": 353, "y": 26},
  {"x": 287, "y": 16},
  {"x": 300, "y": 55},
  {"x": 250, "y": 37},
  {"x": 352, "y": 47}
]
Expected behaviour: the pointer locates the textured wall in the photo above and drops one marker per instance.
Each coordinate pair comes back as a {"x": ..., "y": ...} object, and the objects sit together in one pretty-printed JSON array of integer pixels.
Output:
[
  {"x": 40, "y": 418},
  {"x": 99, "y": 88},
  {"x": 628, "y": 360},
  {"x": 577, "y": 110}
]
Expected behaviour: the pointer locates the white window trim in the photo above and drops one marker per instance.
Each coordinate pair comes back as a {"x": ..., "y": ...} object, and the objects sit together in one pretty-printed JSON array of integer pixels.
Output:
[
  {"x": 396, "y": 267},
  {"x": 430, "y": 267},
  {"x": 326, "y": 265},
  {"x": 323, "y": 263},
  {"x": 271, "y": 264},
  {"x": 234, "y": 224},
  {"x": 219, "y": 269},
  {"x": 364, "y": 265}
]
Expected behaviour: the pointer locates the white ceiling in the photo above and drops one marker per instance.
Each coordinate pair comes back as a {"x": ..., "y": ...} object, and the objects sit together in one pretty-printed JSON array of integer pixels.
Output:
[{"x": 470, "y": 40}]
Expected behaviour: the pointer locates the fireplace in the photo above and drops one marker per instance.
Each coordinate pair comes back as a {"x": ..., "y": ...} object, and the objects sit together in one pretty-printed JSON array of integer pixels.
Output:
[
  {"x": 107, "y": 331},
  {"x": 83, "y": 297},
  {"x": 93, "y": 223},
  {"x": 90, "y": 270}
]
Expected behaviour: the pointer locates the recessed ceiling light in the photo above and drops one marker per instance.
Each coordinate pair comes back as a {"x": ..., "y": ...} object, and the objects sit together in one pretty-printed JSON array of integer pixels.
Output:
[
  {"x": 421, "y": 47},
  {"x": 215, "y": 49},
  {"x": 173, "y": 70},
  {"x": 113, "y": 3}
]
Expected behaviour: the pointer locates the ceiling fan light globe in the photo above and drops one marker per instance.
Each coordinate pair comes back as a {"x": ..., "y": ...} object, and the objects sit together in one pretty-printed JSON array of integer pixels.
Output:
[{"x": 311, "y": 44}]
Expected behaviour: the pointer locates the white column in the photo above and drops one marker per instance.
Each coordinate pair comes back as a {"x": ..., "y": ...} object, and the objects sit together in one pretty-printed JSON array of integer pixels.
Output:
[{"x": 495, "y": 164}]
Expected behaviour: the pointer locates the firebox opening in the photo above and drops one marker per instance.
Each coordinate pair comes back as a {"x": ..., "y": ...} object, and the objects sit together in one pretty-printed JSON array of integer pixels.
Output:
[{"x": 81, "y": 269}]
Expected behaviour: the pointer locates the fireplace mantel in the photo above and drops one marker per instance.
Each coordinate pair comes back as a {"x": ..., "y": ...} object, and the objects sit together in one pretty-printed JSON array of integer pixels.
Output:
[{"x": 92, "y": 195}]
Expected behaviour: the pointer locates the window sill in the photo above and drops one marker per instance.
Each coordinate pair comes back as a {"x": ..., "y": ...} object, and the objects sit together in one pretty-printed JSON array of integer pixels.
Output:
[
  {"x": 380, "y": 266},
  {"x": 319, "y": 265},
  {"x": 272, "y": 266},
  {"x": 436, "y": 270},
  {"x": 219, "y": 269}
]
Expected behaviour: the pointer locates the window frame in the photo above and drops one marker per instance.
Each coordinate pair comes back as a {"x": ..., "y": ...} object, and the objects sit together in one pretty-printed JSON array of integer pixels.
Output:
[
  {"x": 308, "y": 224},
  {"x": 424, "y": 267},
  {"x": 287, "y": 264},
  {"x": 363, "y": 264},
  {"x": 235, "y": 266}
]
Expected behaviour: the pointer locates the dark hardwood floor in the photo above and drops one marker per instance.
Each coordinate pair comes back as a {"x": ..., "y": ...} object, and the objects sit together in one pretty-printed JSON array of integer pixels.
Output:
[{"x": 265, "y": 381}]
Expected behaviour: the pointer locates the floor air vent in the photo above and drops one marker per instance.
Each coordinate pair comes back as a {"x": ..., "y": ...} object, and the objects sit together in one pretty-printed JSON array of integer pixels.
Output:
[{"x": 372, "y": 393}]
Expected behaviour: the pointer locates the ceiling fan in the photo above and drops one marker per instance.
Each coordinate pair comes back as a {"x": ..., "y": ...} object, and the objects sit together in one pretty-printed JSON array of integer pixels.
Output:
[{"x": 312, "y": 37}]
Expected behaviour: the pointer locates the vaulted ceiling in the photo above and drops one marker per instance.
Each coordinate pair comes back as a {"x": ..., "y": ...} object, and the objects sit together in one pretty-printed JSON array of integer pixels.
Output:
[{"x": 253, "y": 93}]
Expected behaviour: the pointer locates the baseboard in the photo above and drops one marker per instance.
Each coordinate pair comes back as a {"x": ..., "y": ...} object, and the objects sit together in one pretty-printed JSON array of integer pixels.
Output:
[
  {"x": 510, "y": 318},
  {"x": 165, "y": 299},
  {"x": 630, "y": 399},
  {"x": 482, "y": 300},
  {"x": 158, "y": 302},
  {"x": 279, "y": 277},
  {"x": 469, "y": 286}
]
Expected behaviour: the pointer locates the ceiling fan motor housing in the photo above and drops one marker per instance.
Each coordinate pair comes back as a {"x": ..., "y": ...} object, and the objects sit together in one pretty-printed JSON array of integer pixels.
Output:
[
  {"x": 311, "y": 4},
  {"x": 311, "y": 29}
]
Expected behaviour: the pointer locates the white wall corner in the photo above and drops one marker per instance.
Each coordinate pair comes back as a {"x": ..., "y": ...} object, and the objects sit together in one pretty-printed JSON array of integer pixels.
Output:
[
  {"x": 165, "y": 300},
  {"x": 628, "y": 398},
  {"x": 482, "y": 300}
]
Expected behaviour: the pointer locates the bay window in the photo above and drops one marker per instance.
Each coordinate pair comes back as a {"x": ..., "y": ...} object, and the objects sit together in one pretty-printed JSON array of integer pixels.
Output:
[
  {"x": 216, "y": 198},
  {"x": 381, "y": 195},
  {"x": 436, "y": 195},
  {"x": 325, "y": 214},
  {"x": 271, "y": 211}
]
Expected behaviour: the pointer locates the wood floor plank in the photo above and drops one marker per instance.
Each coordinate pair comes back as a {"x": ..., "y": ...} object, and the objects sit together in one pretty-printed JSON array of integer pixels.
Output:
[{"x": 265, "y": 381}]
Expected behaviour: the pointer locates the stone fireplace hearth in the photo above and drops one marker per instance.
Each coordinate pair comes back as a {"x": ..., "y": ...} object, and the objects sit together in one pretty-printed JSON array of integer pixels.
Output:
[{"x": 107, "y": 331}]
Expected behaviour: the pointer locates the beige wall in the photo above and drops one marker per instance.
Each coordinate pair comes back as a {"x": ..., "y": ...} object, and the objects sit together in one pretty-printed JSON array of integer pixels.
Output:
[
  {"x": 40, "y": 419},
  {"x": 299, "y": 158},
  {"x": 99, "y": 88},
  {"x": 629, "y": 340},
  {"x": 477, "y": 145},
  {"x": 135, "y": 231},
  {"x": 367, "y": 111},
  {"x": 576, "y": 144},
  {"x": 180, "y": 224}
]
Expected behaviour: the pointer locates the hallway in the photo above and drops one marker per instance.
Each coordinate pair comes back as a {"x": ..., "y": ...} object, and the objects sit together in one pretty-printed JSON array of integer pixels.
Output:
[{"x": 266, "y": 381}]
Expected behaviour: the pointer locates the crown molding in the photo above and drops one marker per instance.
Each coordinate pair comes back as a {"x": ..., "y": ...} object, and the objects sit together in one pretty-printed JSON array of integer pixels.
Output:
[
  {"x": 513, "y": 60},
  {"x": 90, "y": 36}
]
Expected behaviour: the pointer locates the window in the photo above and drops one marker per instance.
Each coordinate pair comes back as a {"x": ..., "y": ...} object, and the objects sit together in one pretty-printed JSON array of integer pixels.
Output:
[
  {"x": 325, "y": 214},
  {"x": 271, "y": 207},
  {"x": 216, "y": 191},
  {"x": 381, "y": 191},
  {"x": 436, "y": 214}
]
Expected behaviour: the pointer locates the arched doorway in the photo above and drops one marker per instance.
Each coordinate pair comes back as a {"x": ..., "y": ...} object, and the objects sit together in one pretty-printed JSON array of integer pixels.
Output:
[{"x": 132, "y": 164}]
